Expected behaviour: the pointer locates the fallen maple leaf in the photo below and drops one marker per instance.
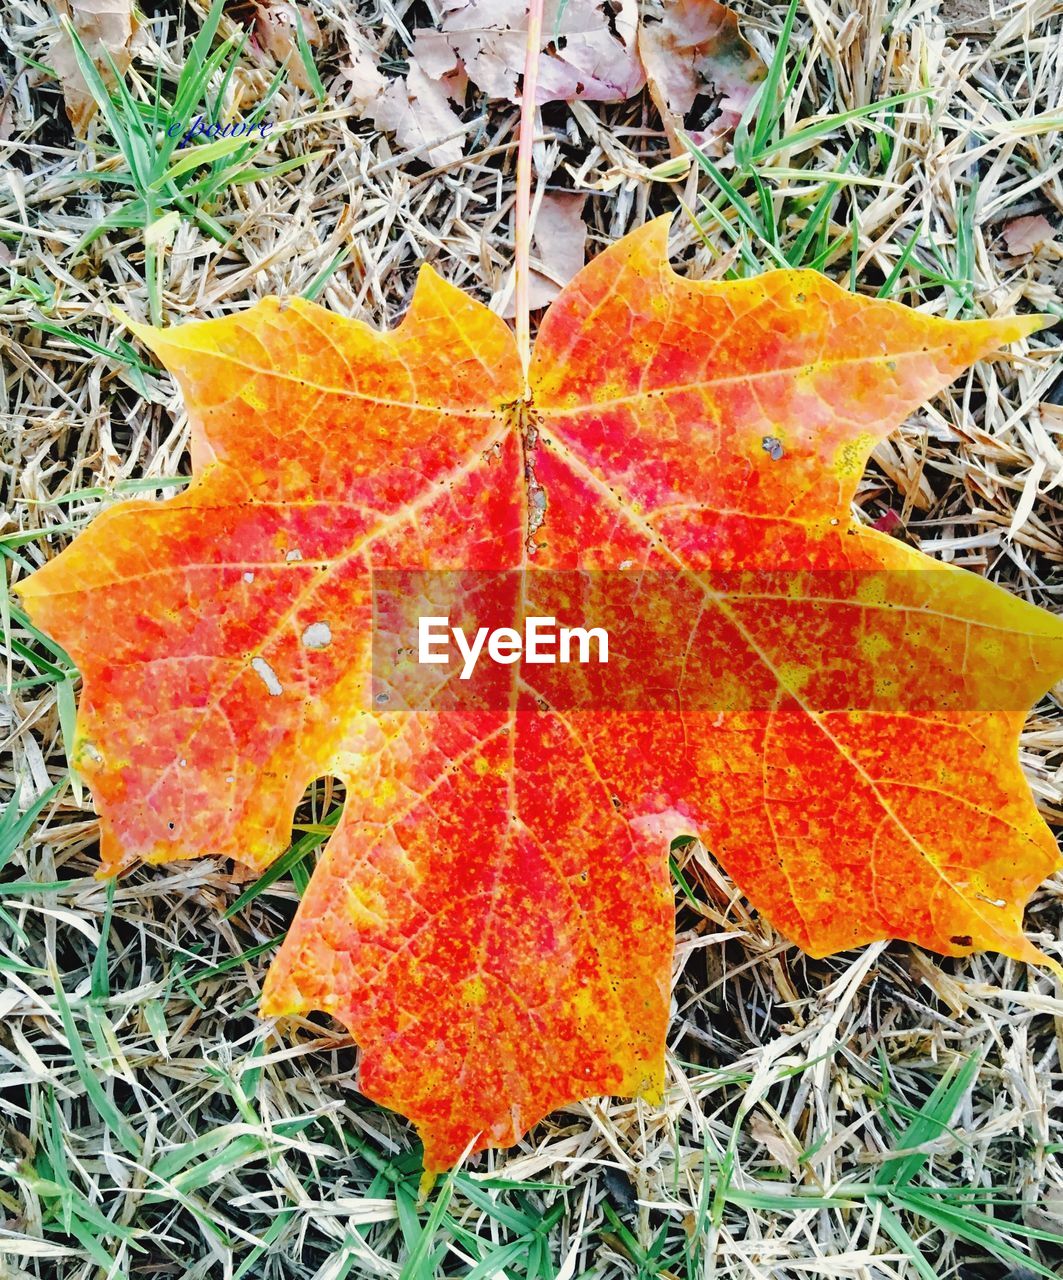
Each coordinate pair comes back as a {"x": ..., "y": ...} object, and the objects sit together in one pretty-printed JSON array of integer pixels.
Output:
[
  {"x": 1024, "y": 236},
  {"x": 415, "y": 108},
  {"x": 594, "y": 57},
  {"x": 105, "y": 28},
  {"x": 275, "y": 26},
  {"x": 589, "y": 47},
  {"x": 559, "y": 238},
  {"x": 492, "y": 918},
  {"x": 692, "y": 49},
  {"x": 592, "y": 50}
]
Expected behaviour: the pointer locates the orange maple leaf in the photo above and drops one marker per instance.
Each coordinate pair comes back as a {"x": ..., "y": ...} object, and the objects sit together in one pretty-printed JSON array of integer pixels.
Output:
[{"x": 492, "y": 918}]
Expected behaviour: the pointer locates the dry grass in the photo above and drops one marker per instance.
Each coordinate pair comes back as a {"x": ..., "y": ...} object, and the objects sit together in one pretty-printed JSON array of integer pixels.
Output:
[{"x": 153, "y": 1125}]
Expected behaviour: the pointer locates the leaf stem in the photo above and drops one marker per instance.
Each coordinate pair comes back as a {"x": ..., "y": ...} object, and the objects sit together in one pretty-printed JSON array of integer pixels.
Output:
[{"x": 522, "y": 216}]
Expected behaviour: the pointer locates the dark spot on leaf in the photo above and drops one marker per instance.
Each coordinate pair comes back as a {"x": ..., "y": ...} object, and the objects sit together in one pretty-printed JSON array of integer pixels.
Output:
[
  {"x": 704, "y": 109},
  {"x": 612, "y": 10}
]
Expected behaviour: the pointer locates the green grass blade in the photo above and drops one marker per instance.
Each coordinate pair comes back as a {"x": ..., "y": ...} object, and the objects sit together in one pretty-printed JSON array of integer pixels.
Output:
[
  {"x": 771, "y": 107},
  {"x": 895, "y": 1229},
  {"x": 101, "y": 95},
  {"x": 932, "y": 1120},
  {"x": 198, "y": 154},
  {"x": 100, "y": 986},
  {"x": 285, "y": 863},
  {"x": 314, "y": 288},
  {"x": 820, "y": 214},
  {"x": 417, "y": 1266},
  {"x": 15, "y": 826},
  {"x": 890, "y": 282},
  {"x": 822, "y": 127},
  {"x": 87, "y": 344},
  {"x": 112, "y": 1118},
  {"x": 309, "y": 65},
  {"x": 977, "y": 1229}
]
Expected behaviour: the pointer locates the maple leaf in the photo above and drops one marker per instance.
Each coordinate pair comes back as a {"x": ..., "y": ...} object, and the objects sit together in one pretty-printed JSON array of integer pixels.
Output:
[
  {"x": 695, "y": 47},
  {"x": 105, "y": 29},
  {"x": 492, "y": 918},
  {"x": 588, "y": 48},
  {"x": 591, "y": 50}
]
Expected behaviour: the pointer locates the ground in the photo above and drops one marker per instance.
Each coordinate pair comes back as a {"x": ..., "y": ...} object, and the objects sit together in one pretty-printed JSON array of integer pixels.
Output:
[{"x": 857, "y": 1117}]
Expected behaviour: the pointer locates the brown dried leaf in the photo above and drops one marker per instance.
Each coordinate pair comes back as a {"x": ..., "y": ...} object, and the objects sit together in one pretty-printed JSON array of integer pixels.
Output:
[
  {"x": 1024, "y": 236},
  {"x": 415, "y": 109},
  {"x": 439, "y": 61},
  {"x": 276, "y": 31},
  {"x": 589, "y": 51},
  {"x": 695, "y": 55},
  {"x": 559, "y": 248},
  {"x": 105, "y": 28},
  {"x": 779, "y": 1147}
]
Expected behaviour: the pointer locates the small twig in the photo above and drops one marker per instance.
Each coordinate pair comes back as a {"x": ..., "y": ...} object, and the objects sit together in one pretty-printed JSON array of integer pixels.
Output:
[{"x": 522, "y": 224}]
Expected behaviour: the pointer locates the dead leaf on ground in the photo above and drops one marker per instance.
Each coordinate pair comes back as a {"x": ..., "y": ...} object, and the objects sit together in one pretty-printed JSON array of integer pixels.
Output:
[
  {"x": 1048, "y": 1215},
  {"x": 275, "y": 26},
  {"x": 439, "y": 62},
  {"x": 105, "y": 28},
  {"x": 967, "y": 18},
  {"x": 589, "y": 49},
  {"x": 779, "y": 1147},
  {"x": 701, "y": 72},
  {"x": 1024, "y": 236},
  {"x": 559, "y": 248},
  {"x": 415, "y": 109}
]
